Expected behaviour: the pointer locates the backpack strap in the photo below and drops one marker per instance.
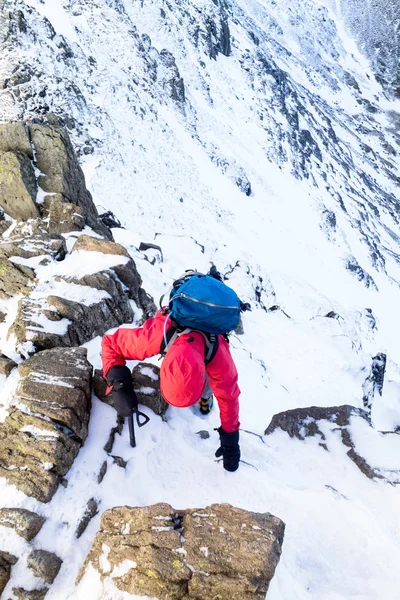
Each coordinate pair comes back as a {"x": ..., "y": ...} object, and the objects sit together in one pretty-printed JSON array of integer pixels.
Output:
[{"x": 210, "y": 341}]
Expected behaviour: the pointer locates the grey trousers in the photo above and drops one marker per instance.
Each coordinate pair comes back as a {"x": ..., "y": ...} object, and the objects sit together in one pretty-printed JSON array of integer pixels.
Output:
[{"x": 207, "y": 392}]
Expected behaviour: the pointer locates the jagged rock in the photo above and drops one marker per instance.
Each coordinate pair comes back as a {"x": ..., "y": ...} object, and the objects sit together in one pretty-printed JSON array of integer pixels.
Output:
[
  {"x": 146, "y": 383},
  {"x": 120, "y": 462},
  {"x": 28, "y": 245},
  {"x": 232, "y": 553},
  {"x": 100, "y": 385},
  {"x": 110, "y": 220},
  {"x": 14, "y": 279},
  {"x": 65, "y": 217},
  {"x": 18, "y": 186},
  {"x": 6, "y": 365},
  {"x": 117, "y": 429},
  {"x": 14, "y": 138},
  {"x": 62, "y": 174},
  {"x": 81, "y": 322},
  {"x": 144, "y": 246},
  {"x": 169, "y": 77},
  {"x": 92, "y": 508},
  {"x": 102, "y": 472},
  {"x": 362, "y": 275},
  {"x": 26, "y": 523},
  {"x": 2, "y": 317},
  {"x": 304, "y": 422},
  {"x": 44, "y": 564},
  {"x": 42, "y": 435},
  {"x": 6, "y": 562},
  {"x": 126, "y": 271},
  {"x": 22, "y": 594},
  {"x": 373, "y": 385},
  {"x": 61, "y": 375}
]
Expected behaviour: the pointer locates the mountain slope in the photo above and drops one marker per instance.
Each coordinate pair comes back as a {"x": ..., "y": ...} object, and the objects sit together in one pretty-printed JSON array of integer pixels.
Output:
[{"x": 252, "y": 135}]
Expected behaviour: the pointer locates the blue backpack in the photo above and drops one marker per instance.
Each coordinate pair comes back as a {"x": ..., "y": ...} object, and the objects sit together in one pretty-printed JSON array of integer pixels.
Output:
[
  {"x": 205, "y": 304},
  {"x": 202, "y": 302}
]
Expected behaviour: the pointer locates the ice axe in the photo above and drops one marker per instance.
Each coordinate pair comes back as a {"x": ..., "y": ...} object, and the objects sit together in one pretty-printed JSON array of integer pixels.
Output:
[{"x": 140, "y": 423}]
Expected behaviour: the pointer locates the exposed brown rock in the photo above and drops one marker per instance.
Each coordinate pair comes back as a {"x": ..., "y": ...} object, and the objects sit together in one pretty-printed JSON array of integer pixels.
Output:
[
  {"x": 86, "y": 322},
  {"x": 14, "y": 138},
  {"x": 92, "y": 244},
  {"x": 44, "y": 564},
  {"x": 203, "y": 554},
  {"x": 23, "y": 594},
  {"x": 18, "y": 186},
  {"x": 37, "y": 244},
  {"x": 6, "y": 365},
  {"x": 62, "y": 174},
  {"x": 65, "y": 217},
  {"x": 14, "y": 279},
  {"x": 42, "y": 435},
  {"x": 126, "y": 271},
  {"x": 6, "y": 562},
  {"x": 26, "y": 523}
]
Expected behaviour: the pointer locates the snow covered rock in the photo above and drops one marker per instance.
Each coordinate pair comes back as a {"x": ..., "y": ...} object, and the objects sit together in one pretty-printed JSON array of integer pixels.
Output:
[
  {"x": 84, "y": 308},
  {"x": 30, "y": 240},
  {"x": 354, "y": 427},
  {"x": 303, "y": 422},
  {"x": 26, "y": 523},
  {"x": 146, "y": 383},
  {"x": 22, "y": 594},
  {"x": 48, "y": 423},
  {"x": 201, "y": 554},
  {"x": 44, "y": 564},
  {"x": 126, "y": 271},
  {"x": 6, "y": 562},
  {"x": 14, "y": 279}
]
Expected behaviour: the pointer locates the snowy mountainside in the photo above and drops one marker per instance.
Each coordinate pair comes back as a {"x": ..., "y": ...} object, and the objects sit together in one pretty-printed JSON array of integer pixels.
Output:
[{"x": 252, "y": 135}]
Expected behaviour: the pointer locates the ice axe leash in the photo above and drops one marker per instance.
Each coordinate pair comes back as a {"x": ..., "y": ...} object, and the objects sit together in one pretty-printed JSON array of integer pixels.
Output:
[{"x": 139, "y": 423}]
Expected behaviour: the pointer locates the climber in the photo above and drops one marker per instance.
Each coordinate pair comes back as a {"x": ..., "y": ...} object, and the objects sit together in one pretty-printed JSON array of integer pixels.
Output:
[{"x": 185, "y": 377}]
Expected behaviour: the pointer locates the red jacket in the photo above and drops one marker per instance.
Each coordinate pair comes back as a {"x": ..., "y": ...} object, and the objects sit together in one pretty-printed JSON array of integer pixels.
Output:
[{"x": 182, "y": 376}]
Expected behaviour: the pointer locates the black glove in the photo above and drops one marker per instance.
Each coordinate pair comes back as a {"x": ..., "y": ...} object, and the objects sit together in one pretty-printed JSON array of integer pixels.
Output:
[
  {"x": 229, "y": 449},
  {"x": 123, "y": 396}
]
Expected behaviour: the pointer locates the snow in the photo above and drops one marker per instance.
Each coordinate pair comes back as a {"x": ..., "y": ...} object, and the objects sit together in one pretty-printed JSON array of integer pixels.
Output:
[{"x": 154, "y": 171}]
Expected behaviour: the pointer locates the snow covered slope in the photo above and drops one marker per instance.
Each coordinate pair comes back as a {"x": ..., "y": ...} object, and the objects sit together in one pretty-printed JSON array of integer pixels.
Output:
[{"x": 252, "y": 135}]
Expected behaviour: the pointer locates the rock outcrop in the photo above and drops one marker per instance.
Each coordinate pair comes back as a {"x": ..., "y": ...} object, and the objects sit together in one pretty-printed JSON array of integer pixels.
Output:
[
  {"x": 48, "y": 422},
  {"x": 26, "y": 523},
  {"x": 307, "y": 422},
  {"x": 44, "y": 564},
  {"x": 18, "y": 187},
  {"x": 47, "y": 148},
  {"x": 200, "y": 554},
  {"x": 6, "y": 562}
]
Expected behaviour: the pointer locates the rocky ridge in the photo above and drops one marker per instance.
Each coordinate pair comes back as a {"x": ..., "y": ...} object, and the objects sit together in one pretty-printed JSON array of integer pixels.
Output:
[{"x": 201, "y": 554}]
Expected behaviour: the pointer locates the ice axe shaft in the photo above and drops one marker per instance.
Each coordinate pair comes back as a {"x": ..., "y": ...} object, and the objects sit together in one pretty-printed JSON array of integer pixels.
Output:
[{"x": 131, "y": 431}]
